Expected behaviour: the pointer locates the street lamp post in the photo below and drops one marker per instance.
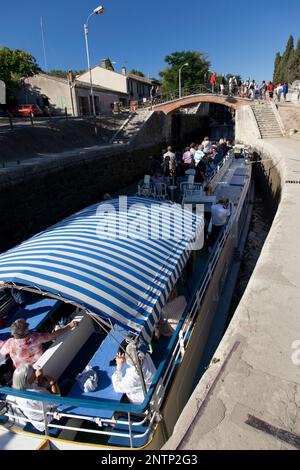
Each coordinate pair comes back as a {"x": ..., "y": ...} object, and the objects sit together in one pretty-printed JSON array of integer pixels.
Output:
[
  {"x": 179, "y": 78},
  {"x": 97, "y": 11}
]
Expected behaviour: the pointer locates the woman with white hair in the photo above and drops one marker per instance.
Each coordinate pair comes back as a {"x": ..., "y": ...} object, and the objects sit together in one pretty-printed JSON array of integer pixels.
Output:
[
  {"x": 27, "y": 378},
  {"x": 131, "y": 383}
]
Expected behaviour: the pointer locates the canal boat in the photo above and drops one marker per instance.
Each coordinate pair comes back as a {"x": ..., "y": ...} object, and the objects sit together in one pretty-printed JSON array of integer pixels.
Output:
[{"x": 112, "y": 268}]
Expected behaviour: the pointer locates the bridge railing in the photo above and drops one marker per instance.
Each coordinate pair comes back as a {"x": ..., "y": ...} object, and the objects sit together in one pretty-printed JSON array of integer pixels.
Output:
[{"x": 197, "y": 89}]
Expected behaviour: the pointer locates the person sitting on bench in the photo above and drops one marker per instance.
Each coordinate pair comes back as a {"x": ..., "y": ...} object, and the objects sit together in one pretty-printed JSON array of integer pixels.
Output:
[
  {"x": 26, "y": 346},
  {"x": 170, "y": 315},
  {"x": 27, "y": 378},
  {"x": 130, "y": 383}
]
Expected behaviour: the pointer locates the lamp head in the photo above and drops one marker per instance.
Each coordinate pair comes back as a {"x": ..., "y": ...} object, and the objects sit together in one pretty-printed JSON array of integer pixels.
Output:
[{"x": 99, "y": 10}]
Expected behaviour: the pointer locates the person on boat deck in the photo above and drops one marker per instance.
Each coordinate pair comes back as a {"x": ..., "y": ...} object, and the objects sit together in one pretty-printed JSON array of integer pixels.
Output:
[
  {"x": 219, "y": 216},
  {"x": 171, "y": 314},
  {"x": 130, "y": 383},
  {"x": 27, "y": 378},
  {"x": 26, "y": 346}
]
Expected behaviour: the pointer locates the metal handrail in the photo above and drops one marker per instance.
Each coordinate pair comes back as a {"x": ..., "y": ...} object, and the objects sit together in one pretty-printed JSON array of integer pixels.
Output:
[{"x": 197, "y": 89}]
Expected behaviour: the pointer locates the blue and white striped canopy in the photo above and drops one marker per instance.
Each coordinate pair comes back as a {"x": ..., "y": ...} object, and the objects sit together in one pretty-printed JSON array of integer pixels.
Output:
[{"x": 119, "y": 259}]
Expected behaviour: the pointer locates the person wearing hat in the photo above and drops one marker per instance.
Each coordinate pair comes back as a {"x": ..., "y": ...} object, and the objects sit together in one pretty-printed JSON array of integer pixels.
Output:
[{"x": 27, "y": 347}]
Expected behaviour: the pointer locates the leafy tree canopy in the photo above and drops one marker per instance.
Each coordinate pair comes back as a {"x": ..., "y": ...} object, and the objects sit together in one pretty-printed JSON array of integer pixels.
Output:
[
  {"x": 287, "y": 66},
  {"x": 277, "y": 68},
  {"x": 15, "y": 64},
  {"x": 64, "y": 73},
  {"x": 193, "y": 74},
  {"x": 137, "y": 72},
  {"x": 293, "y": 66}
]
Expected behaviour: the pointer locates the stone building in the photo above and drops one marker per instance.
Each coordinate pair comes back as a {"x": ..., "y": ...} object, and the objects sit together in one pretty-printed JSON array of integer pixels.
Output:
[
  {"x": 104, "y": 75},
  {"x": 74, "y": 95}
]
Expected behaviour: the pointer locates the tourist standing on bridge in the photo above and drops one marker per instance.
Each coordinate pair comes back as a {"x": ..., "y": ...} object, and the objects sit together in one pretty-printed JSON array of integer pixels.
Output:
[
  {"x": 232, "y": 86},
  {"x": 223, "y": 84},
  {"x": 279, "y": 91},
  {"x": 213, "y": 82},
  {"x": 153, "y": 94},
  {"x": 252, "y": 90},
  {"x": 262, "y": 90},
  {"x": 285, "y": 90},
  {"x": 270, "y": 89}
]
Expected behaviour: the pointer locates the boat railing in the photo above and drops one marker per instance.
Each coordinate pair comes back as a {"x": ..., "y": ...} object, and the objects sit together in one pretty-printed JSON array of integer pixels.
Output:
[{"x": 218, "y": 174}]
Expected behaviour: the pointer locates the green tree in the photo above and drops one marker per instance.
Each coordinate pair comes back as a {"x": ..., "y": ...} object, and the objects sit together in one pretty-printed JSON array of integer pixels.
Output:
[
  {"x": 293, "y": 67},
  {"x": 15, "y": 64},
  {"x": 288, "y": 53},
  {"x": 64, "y": 73},
  {"x": 277, "y": 68},
  {"x": 193, "y": 74},
  {"x": 137, "y": 72}
]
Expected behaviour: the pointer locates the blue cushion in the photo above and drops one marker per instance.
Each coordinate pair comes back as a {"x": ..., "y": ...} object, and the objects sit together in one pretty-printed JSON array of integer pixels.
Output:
[{"x": 237, "y": 181}]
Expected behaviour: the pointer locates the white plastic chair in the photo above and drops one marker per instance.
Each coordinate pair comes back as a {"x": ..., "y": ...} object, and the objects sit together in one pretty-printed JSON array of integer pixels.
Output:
[
  {"x": 146, "y": 189},
  {"x": 191, "y": 189},
  {"x": 160, "y": 191}
]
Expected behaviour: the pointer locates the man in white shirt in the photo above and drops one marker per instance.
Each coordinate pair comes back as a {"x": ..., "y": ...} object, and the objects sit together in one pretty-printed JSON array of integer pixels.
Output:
[
  {"x": 206, "y": 145},
  {"x": 131, "y": 383},
  {"x": 219, "y": 216},
  {"x": 199, "y": 154},
  {"x": 172, "y": 160}
]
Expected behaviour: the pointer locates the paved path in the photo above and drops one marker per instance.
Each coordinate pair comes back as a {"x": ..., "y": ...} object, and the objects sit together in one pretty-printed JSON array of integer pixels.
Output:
[{"x": 249, "y": 398}]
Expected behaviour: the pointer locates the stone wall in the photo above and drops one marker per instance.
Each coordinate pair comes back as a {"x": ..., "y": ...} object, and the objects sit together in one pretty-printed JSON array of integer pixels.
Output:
[
  {"x": 155, "y": 130},
  {"x": 246, "y": 128},
  {"x": 34, "y": 197}
]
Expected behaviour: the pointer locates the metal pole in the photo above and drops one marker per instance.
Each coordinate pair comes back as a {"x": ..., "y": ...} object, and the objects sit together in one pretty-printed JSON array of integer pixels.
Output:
[
  {"x": 71, "y": 95},
  {"x": 180, "y": 82},
  {"x": 86, "y": 31}
]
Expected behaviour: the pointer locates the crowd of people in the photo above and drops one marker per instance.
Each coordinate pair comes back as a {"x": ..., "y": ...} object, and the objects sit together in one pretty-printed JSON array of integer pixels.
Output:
[
  {"x": 251, "y": 89},
  {"x": 200, "y": 160}
]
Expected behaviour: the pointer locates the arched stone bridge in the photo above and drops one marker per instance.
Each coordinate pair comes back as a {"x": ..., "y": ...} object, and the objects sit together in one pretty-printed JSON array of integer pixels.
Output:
[{"x": 230, "y": 101}]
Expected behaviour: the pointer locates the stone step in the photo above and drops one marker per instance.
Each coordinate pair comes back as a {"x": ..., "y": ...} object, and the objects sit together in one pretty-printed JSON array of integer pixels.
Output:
[{"x": 265, "y": 126}]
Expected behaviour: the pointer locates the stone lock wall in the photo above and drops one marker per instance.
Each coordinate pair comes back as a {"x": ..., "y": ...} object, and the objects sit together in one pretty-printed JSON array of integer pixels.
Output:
[{"x": 34, "y": 197}]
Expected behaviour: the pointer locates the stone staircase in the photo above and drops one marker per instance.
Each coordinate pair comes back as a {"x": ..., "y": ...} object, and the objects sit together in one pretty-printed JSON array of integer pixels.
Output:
[
  {"x": 131, "y": 127},
  {"x": 266, "y": 120}
]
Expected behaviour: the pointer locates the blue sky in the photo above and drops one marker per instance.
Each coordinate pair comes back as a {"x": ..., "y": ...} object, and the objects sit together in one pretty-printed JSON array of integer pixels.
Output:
[{"x": 239, "y": 37}]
